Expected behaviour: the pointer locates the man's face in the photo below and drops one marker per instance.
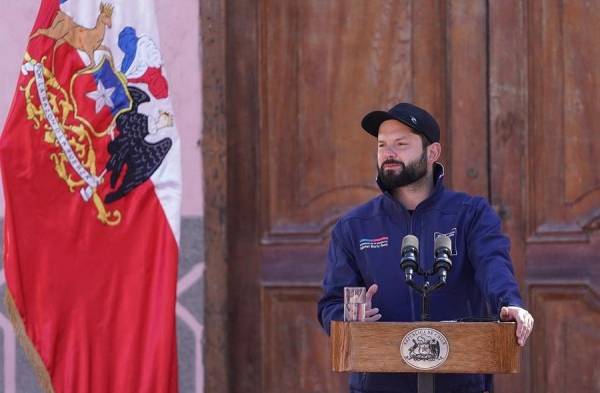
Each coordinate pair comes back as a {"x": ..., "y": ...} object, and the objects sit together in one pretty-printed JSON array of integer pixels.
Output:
[{"x": 401, "y": 158}]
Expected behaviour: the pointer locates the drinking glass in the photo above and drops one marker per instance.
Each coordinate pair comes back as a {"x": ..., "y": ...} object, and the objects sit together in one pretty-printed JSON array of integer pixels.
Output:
[{"x": 355, "y": 303}]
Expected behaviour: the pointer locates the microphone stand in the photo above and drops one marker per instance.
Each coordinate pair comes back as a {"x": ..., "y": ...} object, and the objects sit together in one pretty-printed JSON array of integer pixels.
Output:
[
  {"x": 425, "y": 290},
  {"x": 425, "y": 381}
]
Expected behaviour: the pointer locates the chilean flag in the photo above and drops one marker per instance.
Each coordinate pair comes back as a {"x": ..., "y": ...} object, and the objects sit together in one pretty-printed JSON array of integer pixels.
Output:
[{"x": 90, "y": 161}]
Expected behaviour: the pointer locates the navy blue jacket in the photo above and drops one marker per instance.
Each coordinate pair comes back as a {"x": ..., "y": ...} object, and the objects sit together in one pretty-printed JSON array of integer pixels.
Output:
[{"x": 365, "y": 249}]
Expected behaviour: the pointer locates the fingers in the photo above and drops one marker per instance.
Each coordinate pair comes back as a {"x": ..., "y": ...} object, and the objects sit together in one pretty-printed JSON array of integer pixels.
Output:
[
  {"x": 372, "y": 315},
  {"x": 504, "y": 314},
  {"x": 520, "y": 332},
  {"x": 524, "y": 327},
  {"x": 371, "y": 292},
  {"x": 510, "y": 313},
  {"x": 523, "y": 319},
  {"x": 371, "y": 312}
]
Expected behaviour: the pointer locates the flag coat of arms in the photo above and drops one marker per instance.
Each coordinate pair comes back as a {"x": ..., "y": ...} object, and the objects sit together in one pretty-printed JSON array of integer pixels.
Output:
[{"x": 90, "y": 161}]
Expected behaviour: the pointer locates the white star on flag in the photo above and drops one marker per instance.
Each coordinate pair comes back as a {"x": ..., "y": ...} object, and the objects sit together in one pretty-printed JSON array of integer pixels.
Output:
[{"x": 102, "y": 96}]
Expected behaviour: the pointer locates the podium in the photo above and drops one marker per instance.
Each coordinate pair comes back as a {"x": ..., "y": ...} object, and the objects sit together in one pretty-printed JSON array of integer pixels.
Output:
[{"x": 425, "y": 347}]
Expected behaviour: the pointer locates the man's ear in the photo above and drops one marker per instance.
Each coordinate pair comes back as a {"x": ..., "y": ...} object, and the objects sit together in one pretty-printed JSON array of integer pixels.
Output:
[{"x": 434, "y": 151}]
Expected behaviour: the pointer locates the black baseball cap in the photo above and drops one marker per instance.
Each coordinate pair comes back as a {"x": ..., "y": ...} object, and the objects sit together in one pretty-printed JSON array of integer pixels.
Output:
[{"x": 414, "y": 117}]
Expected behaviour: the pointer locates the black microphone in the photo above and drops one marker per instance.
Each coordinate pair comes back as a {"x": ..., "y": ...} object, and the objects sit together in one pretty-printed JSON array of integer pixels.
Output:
[
  {"x": 442, "y": 264},
  {"x": 410, "y": 256}
]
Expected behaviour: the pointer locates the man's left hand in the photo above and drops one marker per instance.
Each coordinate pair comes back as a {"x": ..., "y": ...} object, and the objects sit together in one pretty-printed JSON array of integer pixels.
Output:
[{"x": 523, "y": 319}]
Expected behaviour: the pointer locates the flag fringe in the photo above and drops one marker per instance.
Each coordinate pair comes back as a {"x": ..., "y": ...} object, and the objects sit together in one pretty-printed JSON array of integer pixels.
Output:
[{"x": 39, "y": 368}]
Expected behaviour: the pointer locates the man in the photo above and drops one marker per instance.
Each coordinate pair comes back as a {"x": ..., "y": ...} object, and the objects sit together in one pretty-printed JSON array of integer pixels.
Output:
[{"x": 414, "y": 201}]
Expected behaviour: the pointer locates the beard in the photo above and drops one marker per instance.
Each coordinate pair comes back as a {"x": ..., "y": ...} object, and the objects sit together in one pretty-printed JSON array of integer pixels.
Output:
[{"x": 408, "y": 174}]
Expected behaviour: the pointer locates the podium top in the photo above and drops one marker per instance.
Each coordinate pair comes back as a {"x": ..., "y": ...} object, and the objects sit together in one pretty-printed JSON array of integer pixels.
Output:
[{"x": 432, "y": 347}]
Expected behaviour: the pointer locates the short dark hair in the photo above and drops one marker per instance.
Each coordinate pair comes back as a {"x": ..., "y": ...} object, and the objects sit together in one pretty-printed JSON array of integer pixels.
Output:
[{"x": 424, "y": 141}]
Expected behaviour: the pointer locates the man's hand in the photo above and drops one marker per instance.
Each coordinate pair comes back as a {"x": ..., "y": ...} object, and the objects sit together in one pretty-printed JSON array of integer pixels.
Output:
[
  {"x": 371, "y": 314},
  {"x": 521, "y": 316}
]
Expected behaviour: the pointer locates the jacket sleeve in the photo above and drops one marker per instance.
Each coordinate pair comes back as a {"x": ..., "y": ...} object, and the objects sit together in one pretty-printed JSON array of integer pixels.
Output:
[
  {"x": 489, "y": 252},
  {"x": 341, "y": 271}
]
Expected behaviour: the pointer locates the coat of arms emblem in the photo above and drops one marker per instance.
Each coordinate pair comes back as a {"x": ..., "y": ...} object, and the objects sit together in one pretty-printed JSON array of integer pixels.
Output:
[
  {"x": 424, "y": 348},
  {"x": 87, "y": 111}
]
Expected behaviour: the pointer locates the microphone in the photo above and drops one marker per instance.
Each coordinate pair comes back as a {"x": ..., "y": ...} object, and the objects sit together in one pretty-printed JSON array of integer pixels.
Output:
[
  {"x": 442, "y": 264},
  {"x": 410, "y": 256}
]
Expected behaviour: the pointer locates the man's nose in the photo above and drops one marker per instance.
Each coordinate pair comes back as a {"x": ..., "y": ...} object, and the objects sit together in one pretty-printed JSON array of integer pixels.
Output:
[{"x": 389, "y": 152}]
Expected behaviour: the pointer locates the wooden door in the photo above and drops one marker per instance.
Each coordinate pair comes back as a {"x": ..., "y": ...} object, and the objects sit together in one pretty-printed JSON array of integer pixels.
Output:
[
  {"x": 286, "y": 83},
  {"x": 288, "y": 157},
  {"x": 303, "y": 75},
  {"x": 544, "y": 129}
]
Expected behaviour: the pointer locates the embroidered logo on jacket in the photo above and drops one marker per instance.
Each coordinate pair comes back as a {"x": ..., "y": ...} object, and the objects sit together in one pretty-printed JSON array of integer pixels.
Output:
[
  {"x": 451, "y": 235},
  {"x": 374, "y": 243}
]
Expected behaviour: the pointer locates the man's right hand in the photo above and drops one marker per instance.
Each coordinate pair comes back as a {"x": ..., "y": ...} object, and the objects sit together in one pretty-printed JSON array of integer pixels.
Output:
[{"x": 371, "y": 314}]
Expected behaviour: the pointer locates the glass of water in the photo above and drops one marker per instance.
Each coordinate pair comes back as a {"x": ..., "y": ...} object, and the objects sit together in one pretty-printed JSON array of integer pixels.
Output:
[{"x": 355, "y": 303}]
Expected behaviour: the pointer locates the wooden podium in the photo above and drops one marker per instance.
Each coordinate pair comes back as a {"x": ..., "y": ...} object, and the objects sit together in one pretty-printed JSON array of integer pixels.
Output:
[{"x": 425, "y": 347}]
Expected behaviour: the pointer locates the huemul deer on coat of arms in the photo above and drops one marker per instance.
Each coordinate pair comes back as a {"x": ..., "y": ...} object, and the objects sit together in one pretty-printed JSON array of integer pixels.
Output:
[{"x": 65, "y": 30}]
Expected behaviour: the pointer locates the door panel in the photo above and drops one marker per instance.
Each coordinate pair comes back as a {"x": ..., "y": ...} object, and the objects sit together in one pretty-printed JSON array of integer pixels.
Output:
[
  {"x": 543, "y": 136},
  {"x": 290, "y": 352},
  {"x": 322, "y": 67},
  {"x": 567, "y": 339},
  {"x": 564, "y": 121},
  {"x": 300, "y": 76}
]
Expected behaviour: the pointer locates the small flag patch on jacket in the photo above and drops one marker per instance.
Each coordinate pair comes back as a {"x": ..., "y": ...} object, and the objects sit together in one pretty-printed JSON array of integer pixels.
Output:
[{"x": 374, "y": 243}]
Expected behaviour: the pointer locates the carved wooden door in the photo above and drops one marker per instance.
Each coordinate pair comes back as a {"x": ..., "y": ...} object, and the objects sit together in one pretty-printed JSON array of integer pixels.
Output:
[
  {"x": 514, "y": 86},
  {"x": 300, "y": 76},
  {"x": 316, "y": 68},
  {"x": 545, "y": 182}
]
